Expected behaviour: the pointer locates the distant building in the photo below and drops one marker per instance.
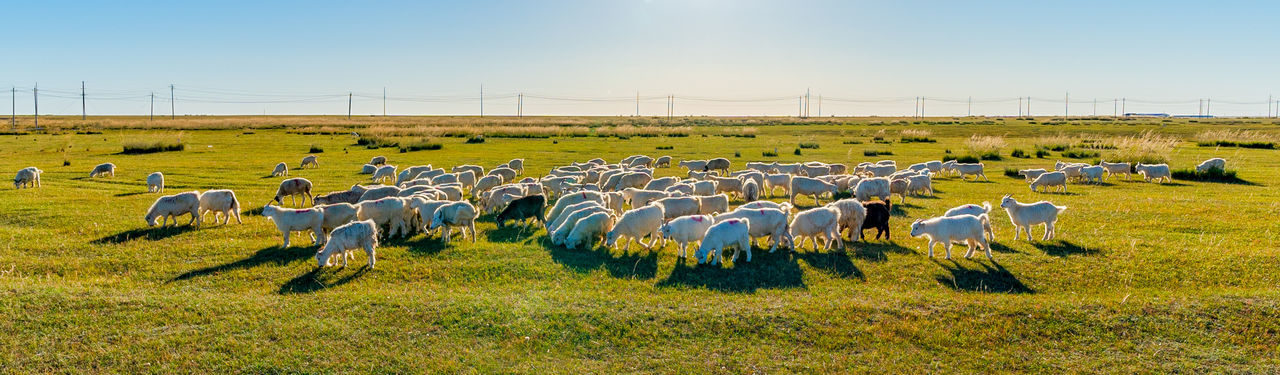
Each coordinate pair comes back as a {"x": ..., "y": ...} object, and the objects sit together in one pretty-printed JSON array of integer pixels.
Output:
[{"x": 1146, "y": 115}]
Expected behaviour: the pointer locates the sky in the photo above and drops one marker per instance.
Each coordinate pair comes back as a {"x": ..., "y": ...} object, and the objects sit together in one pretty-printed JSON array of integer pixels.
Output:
[{"x": 716, "y": 57}]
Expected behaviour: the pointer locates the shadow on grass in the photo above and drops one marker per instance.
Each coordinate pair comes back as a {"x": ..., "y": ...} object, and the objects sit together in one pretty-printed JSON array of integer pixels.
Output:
[
  {"x": 1060, "y": 248},
  {"x": 997, "y": 247},
  {"x": 148, "y": 233},
  {"x": 899, "y": 209},
  {"x": 423, "y": 244},
  {"x": 875, "y": 251},
  {"x": 992, "y": 278},
  {"x": 513, "y": 233},
  {"x": 637, "y": 263},
  {"x": 269, "y": 255},
  {"x": 130, "y": 194},
  {"x": 256, "y": 211},
  {"x": 765, "y": 271},
  {"x": 835, "y": 262},
  {"x": 321, "y": 278}
]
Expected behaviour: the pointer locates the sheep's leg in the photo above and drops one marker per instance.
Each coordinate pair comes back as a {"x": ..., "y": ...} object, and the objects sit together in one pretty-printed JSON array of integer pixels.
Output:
[
  {"x": 986, "y": 246},
  {"x": 472, "y": 226},
  {"x": 1048, "y": 230},
  {"x": 947, "y": 245},
  {"x": 931, "y": 243},
  {"x": 747, "y": 249},
  {"x": 969, "y": 243},
  {"x": 285, "y": 234}
]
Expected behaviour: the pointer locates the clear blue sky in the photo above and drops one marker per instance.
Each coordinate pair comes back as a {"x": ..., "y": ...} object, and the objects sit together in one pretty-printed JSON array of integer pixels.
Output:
[{"x": 231, "y": 57}]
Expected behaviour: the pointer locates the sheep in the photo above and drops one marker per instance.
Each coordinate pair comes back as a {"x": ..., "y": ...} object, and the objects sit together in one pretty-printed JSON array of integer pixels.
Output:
[
  {"x": 982, "y": 212},
  {"x": 920, "y": 183},
  {"x": 1116, "y": 168},
  {"x": 750, "y": 191},
  {"x": 966, "y": 229},
  {"x": 1050, "y": 179},
  {"x": 280, "y": 170},
  {"x": 948, "y": 167},
  {"x": 172, "y": 206},
  {"x": 1025, "y": 215},
  {"x": 975, "y": 169},
  {"x": 1031, "y": 174},
  {"x": 1158, "y": 172},
  {"x": 641, "y": 197},
  {"x": 879, "y": 170},
  {"x": 693, "y": 165},
  {"x": 899, "y": 187},
  {"x": 455, "y": 214},
  {"x": 852, "y": 215},
  {"x": 348, "y": 237},
  {"x": 718, "y": 164},
  {"x": 878, "y": 213},
  {"x": 571, "y": 219},
  {"x": 220, "y": 201},
  {"x": 411, "y": 173},
  {"x": 507, "y": 174},
  {"x": 764, "y": 222},
  {"x": 810, "y": 186},
  {"x": 155, "y": 182},
  {"x": 727, "y": 233},
  {"x": 705, "y": 188},
  {"x": 614, "y": 201},
  {"x": 816, "y": 170},
  {"x": 791, "y": 169},
  {"x": 27, "y": 177},
  {"x": 1072, "y": 171},
  {"x": 918, "y": 167},
  {"x": 1206, "y": 165},
  {"x": 378, "y": 193},
  {"x": 515, "y": 164},
  {"x": 680, "y": 189},
  {"x": 385, "y": 212},
  {"x": 368, "y": 169},
  {"x": 467, "y": 179},
  {"x": 571, "y": 199},
  {"x": 713, "y": 204},
  {"x": 293, "y": 187},
  {"x": 674, "y": 207},
  {"x": 752, "y": 175},
  {"x": 104, "y": 169},
  {"x": 378, "y": 160},
  {"x": 309, "y": 160},
  {"x": 344, "y": 196},
  {"x": 631, "y": 180},
  {"x": 837, "y": 168},
  {"x": 523, "y": 208},
  {"x": 774, "y": 181},
  {"x": 1092, "y": 173},
  {"x": 872, "y": 187},
  {"x": 661, "y": 183},
  {"x": 336, "y": 215},
  {"x": 934, "y": 166},
  {"x": 685, "y": 230},
  {"x": 820, "y": 221},
  {"x": 635, "y": 224},
  {"x": 385, "y": 172},
  {"x": 662, "y": 162},
  {"x": 642, "y": 161},
  {"x": 289, "y": 220},
  {"x": 478, "y": 170},
  {"x": 451, "y": 192},
  {"x": 765, "y": 204},
  {"x": 702, "y": 175},
  {"x": 589, "y": 230}
]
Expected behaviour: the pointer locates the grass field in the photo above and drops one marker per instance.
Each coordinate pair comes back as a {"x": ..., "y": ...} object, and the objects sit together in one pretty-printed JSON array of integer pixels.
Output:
[{"x": 1177, "y": 277}]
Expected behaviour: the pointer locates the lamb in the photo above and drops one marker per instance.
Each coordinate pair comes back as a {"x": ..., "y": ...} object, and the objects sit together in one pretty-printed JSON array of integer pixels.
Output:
[
  {"x": 348, "y": 237},
  {"x": 1092, "y": 173},
  {"x": 368, "y": 169},
  {"x": 515, "y": 164},
  {"x": 636, "y": 224},
  {"x": 685, "y": 230},
  {"x": 289, "y": 220},
  {"x": 337, "y": 214},
  {"x": 713, "y": 204},
  {"x": 899, "y": 187},
  {"x": 386, "y": 172},
  {"x": 774, "y": 181},
  {"x": 918, "y": 167},
  {"x": 967, "y": 229},
  {"x": 378, "y": 193},
  {"x": 1031, "y": 174},
  {"x": 523, "y": 208},
  {"x": 852, "y": 215},
  {"x": 694, "y": 165},
  {"x": 220, "y": 201},
  {"x": 920, "y": 183},
  {"x": 727, "y": 233},
  {"x": 378, "y": 160},
  {"x": 455, "y": 214},
  {"x": 1025, "y": 215},
  {"x": 614, "y": 201},
  {"x": 1072, "y": 171},
  {"x": 1158, "y": 172},
  {"x": 467, "y": 179},
  {"x": 662, "y": 162},
  {"x": 975, "y": 169},
  {"x": 980, "y": 211},
  {"x": 155, "y": 182},
  {"x": 344, "y": 196},
  {"x": 878, "y": 213},
  {"x": 589, "y": 230},
  {"x": 810, "y": 186},
  {"x": 385, "y": 212},
  {"x": 280, "y": 170},
  {"x": 309, "y": 160},
  {"x": 1206, "y": 165},
  {"x": 1050, "y": 179},
  {"x": 718, "y": 164},
  {"x": 1116, "y": 168},
  {"x": 674, "y": 207},
  {"x": 764, "y": 222},
  {"x": 293, "y": 187},
  {"x": 872, "y": 187},
  {"x": 507, "y": 174},
  {"x": 817, "y": 222},
  {"x": 750, "y": 191},
  {"x": 27, "y": 177},
  {"x": 661, "y": 183},
  {"x": 948, "y": 167},
  {"x": 104, "y": 169},
  {"x": 571, "y": 219},
  {"x": 172, "y": 206}
]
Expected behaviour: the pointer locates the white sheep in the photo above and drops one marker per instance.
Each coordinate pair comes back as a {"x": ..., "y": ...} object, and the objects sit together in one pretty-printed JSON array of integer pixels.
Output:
[
  {"x": 378, "y": 160},
  {"x": 974, "y": 169},
  {"x": 765, "y": 222},
  {"x": 726, "y": 233},
  {"x": 104, "y": 169},
  {"x": 1159, "y": 172},
  {"x": 879, "y": 170},
  {"x": 966, "y": 229},
  {"x": 310, "y": 160},
  {"x": 411, "y": 173},
  {"x": 1025, "y": 215},
  {"x": 920, "y": 183},
  {"x": 294, "y": 187},
  {"x": 280, "y": 170},
  {"x": 336, "y": 214},
  {"x": 713, "y": 204},
  {"x": 289, "y": 220},
  {"x": 674, "y": 207},
  {"x": 810, "y": 186},
  {"x": 641, "y": 197},
  {"x": 387, "y": 212},
  {"x": 685, "y": 230},
  {"x": 515, "y": 164},
  {"x": 899, "y": 186},
  {"x": 852, "y": 215},
  {"x": 982, "y": 212},
  {"x": 1050, "y": 179},
  {"x": 635, "y": 224},
  {"x": 1031, "y": 174},
  {"x": 751, "y": 191},
  {"x": 571, "y": 219},
  {"x": 385, "y": 172},
  {"x": 877, "y": 187},
  {"x": 661, "y": 183},
  {"x": 934, "y": 166},
  {"x": 694, "y": 165},
  {"x": 662, "y": 162},
  {"x": 1206, "y": 165},
  {"x": 26, "y": 177},
  {"x": 155, "y": 182},
  {"x": 567, "y": 200},
  {"x": 172, "y": 206},
  {"x": 588, "y": 230},
  {"x": 368, "y": 169},
  {"x": 554, "y": 224},
  {"x": 705, "y": 188},
  {"x": 1092, "y": 173},
  {"x": 220, "y": 202},
  {"x": 1116, "y": 168},
  {"x": 817, "y": 222},
  {"x": 455, "y": 214},
  {"x": 774, "y": 181},
  {"x": 379, "y": 192},
  {"x": 791, "y": 169},
  {"x": 507, "y": 174},
  {"x": 346, "y": 238}
]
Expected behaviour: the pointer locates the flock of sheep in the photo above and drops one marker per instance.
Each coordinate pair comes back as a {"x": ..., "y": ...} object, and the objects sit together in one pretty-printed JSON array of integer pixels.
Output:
[{"x": 622, "y": 202}]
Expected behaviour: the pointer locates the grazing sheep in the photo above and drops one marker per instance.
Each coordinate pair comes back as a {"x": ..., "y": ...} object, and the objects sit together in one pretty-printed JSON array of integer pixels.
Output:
[
  {"x": 878, "y": 213},
  {"x": 899, "y": 187},
  {"x": 631, "y": 180},
  {"x": 516, "y": 164},
  {"x": 220, "y": 202},
  {"x": 852, "y": 215},
  {"x": 727, "y": 233},
  {"x": 774, "y": 181},
  {"x": 1050, "y": 179},
  {"x": 750, "y": 191},
  {"x": 918, "y": 167},
  {"x": 1072, "y": 171},
  {"x": 378, "y": 160},
  {"x": 385, "y": 172},
  {"x": 346, "y": 238},
  {"x": 980, "y": 211},
  {"x": 336, "y": 215},
  {"x": 291, "y": 188},
  {"x": 810, "y": 186},
  {"x": 309, "y": 160},
  {"x": 685, "y": 230},
  {"x": 817, "y": 222},
  {"x": 635, "y": 224},
  {"x": 104, "y": 169},
  {"x": 567, "y": 200},
  {"x": 1206, "y": 165},
  {"x": 1092, "y": 173},
  {"x": 172, "y": 206},
  {"x": 589, "y": 230},
  {"x": 705, "y": 188},
  {"x": 478, "y": 170},
  {"x": 680, "y": 189},
  {"x": 702, "y": 175},
  {"x": 155, "y": 182},
  {"x": 791, "y": 169},
  {"x": 344, "y": 196},
  {"x": 642, "y": 161},
  {"x": 919, "y": 184},
  {"x": 765, "y": 222},
  {"x": 837, "y": 168},
  {"x": 467, "y": 179},
  {"x": 642, "y": 197},
  {"x": 934, "y": 166},
  {"x": 713, "y": 204},
  {"x": 1025, "y": 215},
  {"x": 758, "y": 166},
  {"x": 694, "y": 165},
  {"x": 975, "y": 169},
  {"x": 368, "y": 169},
  {"x": 1031, "y": 174},
  {"x": 614, "y": 201},
  {"x": 378, "y": 193},
  {"x": 27, "y": 177},
  {"x": 879, "y": 170},
  {"x": 662, "y": 162},
  {"x": 661, "y": 183},
  {"x": 411, "y": 173},
  {"x": 507, "y": 174},
  {"x": 718, "y": 164},
  {"x": 387, "y": 212},
  {"x": 966, "y": 229},
  {"x": 877, "y": 187},
  {"x": 455, "y": 214},
  {"x": 289, "y": 220},
  {"x": 765, "y": 204},
  {"x": 281, "y": 170},
  {"x": 948, "y": 167},
  {"x": 571, "y": 219},
  {"x": 674, "y": 207},
  {"x": 523, "y": 208},
  {"x": 1116, "y": 168},
  {"x": 816, "y": 170}
]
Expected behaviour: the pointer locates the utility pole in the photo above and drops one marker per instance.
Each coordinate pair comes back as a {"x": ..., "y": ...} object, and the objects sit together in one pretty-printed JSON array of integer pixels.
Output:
[
  {"x": 1123, "y": 109},
  {"x": 819, "y": 105},
  {"x": 384, "y": 101},
  {"x": 806, "y": 103},
  {"x": 83, "y": 113},
  {"x": 1200, "y": 108},
  {"x": 482, "y": 100},
  {"x": 172, "y": 112},
  {"x": 13, "y": 101},
  {"x": 969, "y": 113},
  {"x": 520, "y": 106},
  {"x": 1115, "y": 107},
  {"x": 1095, "y": 106},
  {"x": 35, "y": 96},
  {"x": 800, "y": 106},
  {"x": 1066, "y": 106},
  {"x": 1028, "y": 106},
  {"x": 1207, "y": 103},
  {"x": 921, "y": 107},
  {"x": 348, "y": 105},
  {"x": 1268, "y": 106},
  {"x": 153, "y": 106},
  {"x": 1019, "y": 106},
  {"x": 637, "y": 104}
]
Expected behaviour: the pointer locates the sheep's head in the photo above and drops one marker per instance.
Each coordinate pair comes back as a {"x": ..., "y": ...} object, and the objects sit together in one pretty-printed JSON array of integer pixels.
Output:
[
  {"x": 1007, "y": 201},
  {"x": 151, "y": 219},
  {"x": 611, "y": 238},
  {"x": 321, "y": 259},
  {"x": 916, "y": 228}
]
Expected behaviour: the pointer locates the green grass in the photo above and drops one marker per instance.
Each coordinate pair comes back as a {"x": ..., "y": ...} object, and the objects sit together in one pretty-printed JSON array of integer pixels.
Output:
[
  {"x": 1211, "y": 175},
  {"x": 1244, "y": 144},
  {"x": 1143, "y": 277},
  {"x": 315, "y": 149},
  {"x": 425, "y": 144},
  {"x": 1080, "y": 154},
  {"x": 810, "y": 145},
  {"x": 148, "y": 147}
]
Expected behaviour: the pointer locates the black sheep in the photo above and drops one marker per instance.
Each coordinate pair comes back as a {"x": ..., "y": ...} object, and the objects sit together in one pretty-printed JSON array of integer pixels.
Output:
[
  {"x": 524, "y": 208},
  {"x": 877, "y": 217}
]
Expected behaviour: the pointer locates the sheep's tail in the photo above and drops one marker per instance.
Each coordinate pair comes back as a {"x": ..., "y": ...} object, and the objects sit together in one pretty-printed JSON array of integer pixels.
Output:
[
  {"x": 986, "y": 206},
  {"x": 1061, "y": 209}
]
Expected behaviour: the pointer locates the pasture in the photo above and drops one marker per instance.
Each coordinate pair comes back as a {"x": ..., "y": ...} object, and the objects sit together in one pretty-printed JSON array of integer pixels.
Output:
[{"x": 1142, "y": 277}]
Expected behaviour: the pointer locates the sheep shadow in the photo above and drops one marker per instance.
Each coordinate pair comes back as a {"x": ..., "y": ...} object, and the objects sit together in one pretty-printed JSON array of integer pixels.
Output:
[
  {"x": 513, "y": 233},
  {"x": 256, "y": 211},
  {"x": 423, "y": 244},
  {"x": 777, "y": 270},
  {"x": 899, "y": 209},
  {"x": 1060, "y": 248},
  {"x": 834, "y": 262},
  {"x": 997, "y": 247},
  {"x": 148, "y": 233},
  {"x": 130, "y": 194},
  {"x": 877, "y": 251},
  {"x": 989, "y": 278},
  {"x": 320, "y": 278},
  {"x": 267, "y": 255},
  {"x": 633, "y": 264}
]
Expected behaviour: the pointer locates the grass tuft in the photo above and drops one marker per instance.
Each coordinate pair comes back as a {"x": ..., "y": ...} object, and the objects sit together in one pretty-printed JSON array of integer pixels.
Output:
[{"x": 152, "y": 146}]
